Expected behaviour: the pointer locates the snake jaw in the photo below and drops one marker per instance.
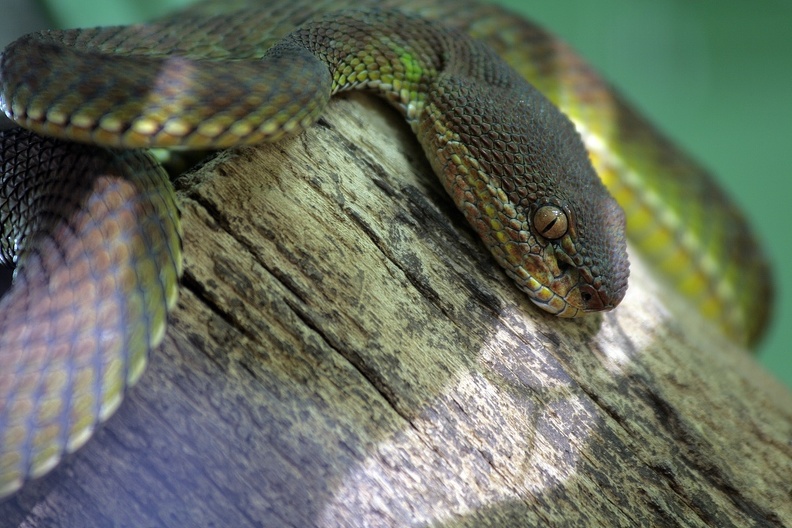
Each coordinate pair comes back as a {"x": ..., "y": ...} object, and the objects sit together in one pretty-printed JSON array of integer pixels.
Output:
[
  {"x": 587, "y": 293},
  {"x": 569, "y": 287},
  {"x": 574, "y": 301}
]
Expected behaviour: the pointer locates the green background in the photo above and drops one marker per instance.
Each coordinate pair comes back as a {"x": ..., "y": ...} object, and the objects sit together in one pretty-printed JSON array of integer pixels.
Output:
[{"x": 715, "y": 75}]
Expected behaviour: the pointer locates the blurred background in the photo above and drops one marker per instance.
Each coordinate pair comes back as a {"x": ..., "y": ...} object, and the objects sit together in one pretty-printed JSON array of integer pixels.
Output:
[{"x": 714, "y": 75}]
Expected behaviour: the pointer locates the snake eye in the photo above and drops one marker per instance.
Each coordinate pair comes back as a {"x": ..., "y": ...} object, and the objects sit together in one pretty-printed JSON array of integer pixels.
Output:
[{"x": 551, "y": 222}]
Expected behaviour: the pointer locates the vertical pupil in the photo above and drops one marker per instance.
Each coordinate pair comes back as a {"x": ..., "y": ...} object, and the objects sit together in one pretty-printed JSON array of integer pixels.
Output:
[{"x": 550, "y": 225}]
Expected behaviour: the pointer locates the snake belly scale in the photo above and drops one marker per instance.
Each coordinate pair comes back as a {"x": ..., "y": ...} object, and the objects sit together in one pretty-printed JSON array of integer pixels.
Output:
[{"x": 93, "y": 226}]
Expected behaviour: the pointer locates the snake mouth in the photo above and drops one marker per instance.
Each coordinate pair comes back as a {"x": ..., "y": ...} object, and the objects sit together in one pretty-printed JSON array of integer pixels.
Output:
[
  {"x": 578, "y": 284},
  {"x": 568, "y": 289},
  {"x": 579, "y": 300}
]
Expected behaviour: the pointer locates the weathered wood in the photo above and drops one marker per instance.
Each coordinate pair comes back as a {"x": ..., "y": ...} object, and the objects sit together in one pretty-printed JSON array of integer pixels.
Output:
[{"x": 346, "y": 353}]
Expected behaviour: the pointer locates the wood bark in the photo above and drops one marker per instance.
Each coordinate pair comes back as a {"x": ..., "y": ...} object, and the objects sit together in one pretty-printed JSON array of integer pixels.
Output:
[{"x": 346, "y": 353}]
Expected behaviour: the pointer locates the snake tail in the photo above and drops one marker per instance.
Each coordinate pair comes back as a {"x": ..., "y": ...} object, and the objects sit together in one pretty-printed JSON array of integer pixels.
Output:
[{"x": 97, "y": 251}]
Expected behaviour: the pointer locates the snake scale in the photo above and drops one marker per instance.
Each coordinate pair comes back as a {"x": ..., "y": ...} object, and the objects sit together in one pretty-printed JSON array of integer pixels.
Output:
[{"x": 92, "y": 225}]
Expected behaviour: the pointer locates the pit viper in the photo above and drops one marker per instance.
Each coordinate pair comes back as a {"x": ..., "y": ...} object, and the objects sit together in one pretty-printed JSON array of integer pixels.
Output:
[{"x": 92, "y": 225}]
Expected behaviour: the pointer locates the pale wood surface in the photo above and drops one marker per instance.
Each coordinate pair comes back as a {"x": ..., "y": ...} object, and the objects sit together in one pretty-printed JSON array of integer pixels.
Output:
[{"x": 346, "y": 353}]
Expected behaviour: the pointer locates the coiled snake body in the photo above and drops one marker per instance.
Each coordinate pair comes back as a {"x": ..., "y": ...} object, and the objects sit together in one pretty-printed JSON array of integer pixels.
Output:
[{"x": 94, "y": 231}]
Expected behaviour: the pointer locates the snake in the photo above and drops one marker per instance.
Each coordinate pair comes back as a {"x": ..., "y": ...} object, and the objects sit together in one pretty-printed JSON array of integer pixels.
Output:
[{"x": 549, "y": 164}]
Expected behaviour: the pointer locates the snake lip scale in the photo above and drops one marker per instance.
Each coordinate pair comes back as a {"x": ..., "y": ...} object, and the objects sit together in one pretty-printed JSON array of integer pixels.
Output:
[{"x": 92, "y": 224}]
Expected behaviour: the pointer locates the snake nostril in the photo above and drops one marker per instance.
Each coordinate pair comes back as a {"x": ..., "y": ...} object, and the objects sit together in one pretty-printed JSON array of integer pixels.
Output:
[{"x": 591, "y": 298}]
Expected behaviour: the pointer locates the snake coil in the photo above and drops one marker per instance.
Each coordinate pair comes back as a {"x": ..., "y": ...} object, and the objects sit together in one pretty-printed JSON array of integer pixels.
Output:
[{"x": 93, "y": 226}]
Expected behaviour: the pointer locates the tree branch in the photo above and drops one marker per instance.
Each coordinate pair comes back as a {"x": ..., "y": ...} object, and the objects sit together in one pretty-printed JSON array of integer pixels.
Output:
[{"x": 346, "y": 353}]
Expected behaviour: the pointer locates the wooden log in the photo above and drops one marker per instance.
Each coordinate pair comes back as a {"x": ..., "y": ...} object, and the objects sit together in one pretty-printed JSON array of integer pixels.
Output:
[{"x": 346, "y": 353}]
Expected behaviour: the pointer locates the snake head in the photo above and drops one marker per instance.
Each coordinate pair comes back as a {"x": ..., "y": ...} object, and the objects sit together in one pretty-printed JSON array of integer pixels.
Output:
[
  {"x": 582, "y": 260},
  {"x": 517, "y": 168},
  {"x": 571, "y": 255}
]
